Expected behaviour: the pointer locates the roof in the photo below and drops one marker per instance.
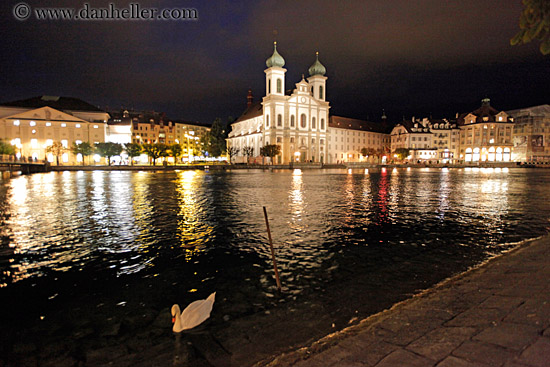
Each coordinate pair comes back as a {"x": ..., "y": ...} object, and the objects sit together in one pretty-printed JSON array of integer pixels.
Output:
[
  {"x": 254, "y": 110},
  {"x": 341, "y": 122},
  {"x": 59, "y": 103},
  {"x": 485, "y": 111}
]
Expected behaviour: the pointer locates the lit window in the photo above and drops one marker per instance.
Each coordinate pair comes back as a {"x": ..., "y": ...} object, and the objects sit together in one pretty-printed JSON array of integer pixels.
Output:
[
  {"x": 500, "y": 118},
  {"x": 63, "y": 125},
  {"x": 16, "y": 123},
  {"x": 48, "y": 124},
  {"x": 49, "y": 142},
  {"x": 33, "y": 123},
  {"x": 33, "y": 131},
  {"x": 96, "y": 127},
  {"x": 34, "y": 143},
  {"x": 65, "y": 143},
  {"x": 279, "y": 120},
  {"x": 78, "y": 142},
  {"x": 65, "y": 157},
  {"x": 77, "y": 126},
  {"x": 303, "y": 120},
  {"x": 79, "y": 157}
]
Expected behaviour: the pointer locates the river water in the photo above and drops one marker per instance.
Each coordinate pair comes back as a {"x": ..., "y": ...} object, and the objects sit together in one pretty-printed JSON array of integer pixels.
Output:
[{"x": 92, "y": 261}]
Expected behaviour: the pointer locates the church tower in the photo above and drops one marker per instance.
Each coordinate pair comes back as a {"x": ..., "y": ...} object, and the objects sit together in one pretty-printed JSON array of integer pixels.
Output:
[
  {"x": 275, "y": 74},
  {"x": 317, "y": 79}
]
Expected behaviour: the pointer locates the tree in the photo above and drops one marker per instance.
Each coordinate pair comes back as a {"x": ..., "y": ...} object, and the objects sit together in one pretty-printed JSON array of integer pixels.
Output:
[
  {"x": 108, "y": 150},
  {"x": 364, "y": 152},
  {"x": 84, "y": 148},
  {"x": 155, "y": 151},
  {"x": 56, "y": 149},
  {"x": 175, "y": 151},
  {"x": 248, "y": 152},
  {"x": 133, "y": 150},
  {"x": 401, "y": 153},
  {"x": 215, "y": 139},
  {"x": 231, "y": 152},
  {"x": 270, "y": 150},
  {"x": 534, "y": 24},
  {"x": 6, "y": 148}
]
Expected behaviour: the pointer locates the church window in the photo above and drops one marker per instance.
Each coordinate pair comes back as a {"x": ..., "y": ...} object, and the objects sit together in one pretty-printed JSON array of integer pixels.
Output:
[
  {"x": 292, "y": 140},
  {"x": 291, "y": 120},
  {"x": 267, "y": 121},
  {"x": 279, "y": 120},
  {"x": 320, "y": 92},
  {"x": 279, "y": 139},
  {"x": 313, "y": 122},
  {"x": 303, "y": 122},
  {"x": 269, "y": 86},
  {"x": 279, "y": 86},
  {"x": 322, "y": 124}
]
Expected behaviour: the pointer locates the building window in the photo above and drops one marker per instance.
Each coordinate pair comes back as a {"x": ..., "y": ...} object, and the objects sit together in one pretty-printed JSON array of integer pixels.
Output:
[
  {"x": 16, "y": 123},
  {"x": 322, "y": 124},
  {"x": 279, "y": 120},
  {"x": 77, "y": 126},
  {"x": 269, "y": 86},
  {"x": 65, "y": 143},
  {"x": 63, "y": 125},
  {"x": 266, "y": 120},
  {"x": 291, "y": 120},
  {"x": 33, "y": 123},
  {"x": 292, "y": 140},
  {"x": 279, "y": 86},
  {"x": 48, "y": 124},
  {"x": 320, "y": 92},
  {"x": 34, "y": 143},
  {"x": 313, "y": 122},
  {"x": 279, "y": 139},
  {"x": 303, "y": 122}
]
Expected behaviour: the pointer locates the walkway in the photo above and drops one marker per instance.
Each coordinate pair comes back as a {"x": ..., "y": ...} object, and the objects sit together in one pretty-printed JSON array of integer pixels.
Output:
[{"x": 495, "y": 315}]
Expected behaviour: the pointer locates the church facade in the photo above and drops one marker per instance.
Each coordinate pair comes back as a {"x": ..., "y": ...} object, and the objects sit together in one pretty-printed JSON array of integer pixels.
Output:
[{"x": 297, "y": 121}]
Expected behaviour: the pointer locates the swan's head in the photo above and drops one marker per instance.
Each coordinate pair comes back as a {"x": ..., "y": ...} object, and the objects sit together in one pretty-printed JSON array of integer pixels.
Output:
[{"x": 175, "y": 311}]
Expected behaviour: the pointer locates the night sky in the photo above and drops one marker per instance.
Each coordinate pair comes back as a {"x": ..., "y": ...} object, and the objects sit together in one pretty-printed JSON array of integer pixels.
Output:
[{"x": 411, "y": 58}]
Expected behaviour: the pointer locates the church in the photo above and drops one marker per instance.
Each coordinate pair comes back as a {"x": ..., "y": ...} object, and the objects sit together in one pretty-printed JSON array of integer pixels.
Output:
[{"x": 296, "y": 121}]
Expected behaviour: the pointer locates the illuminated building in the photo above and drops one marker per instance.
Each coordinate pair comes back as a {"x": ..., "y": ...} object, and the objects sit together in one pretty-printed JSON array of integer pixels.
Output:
[
  {"x": 348, "y": 137},
  {"x": 33, "y": 124},
  {"x": 531, "y": 134},
  {"x": 298, "y": 121},
  {"x": 486, "y": 135}
]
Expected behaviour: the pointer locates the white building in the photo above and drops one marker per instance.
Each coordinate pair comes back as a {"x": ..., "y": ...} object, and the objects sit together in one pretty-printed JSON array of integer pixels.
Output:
[{"x": 297, "y": 122}]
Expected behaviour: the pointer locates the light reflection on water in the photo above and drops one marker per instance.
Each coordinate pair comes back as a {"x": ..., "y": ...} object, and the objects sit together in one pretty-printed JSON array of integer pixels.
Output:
[{"x": 99, "y": 240}]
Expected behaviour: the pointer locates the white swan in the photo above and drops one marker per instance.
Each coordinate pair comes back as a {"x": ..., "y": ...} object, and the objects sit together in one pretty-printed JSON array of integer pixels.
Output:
[{"x": 193, "y": 315}]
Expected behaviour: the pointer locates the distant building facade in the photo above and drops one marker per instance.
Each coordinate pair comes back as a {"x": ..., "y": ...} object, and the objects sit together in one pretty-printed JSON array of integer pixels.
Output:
[
  {"x": 486, "y": 135},
  {"x": 531, "y": 134},
  {"x": 34, "y": 124}
]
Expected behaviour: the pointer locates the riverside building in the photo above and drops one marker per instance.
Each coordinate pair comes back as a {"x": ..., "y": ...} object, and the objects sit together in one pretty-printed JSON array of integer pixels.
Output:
[
  {"x": 34, "y": 124},
  {"x": 531, "y": 134},
  {"x": 485, "y": 135},
  {"x": 298, "y": 121}
]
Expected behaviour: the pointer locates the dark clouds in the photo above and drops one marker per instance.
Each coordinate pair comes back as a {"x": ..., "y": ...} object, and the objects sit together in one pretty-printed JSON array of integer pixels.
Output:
[{"x": 408, "y": 57}]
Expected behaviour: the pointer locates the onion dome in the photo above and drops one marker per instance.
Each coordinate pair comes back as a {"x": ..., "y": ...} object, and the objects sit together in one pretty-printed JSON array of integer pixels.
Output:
[
  {"x": 275, "y": 59},
  {"x": 317, "y": 68}
]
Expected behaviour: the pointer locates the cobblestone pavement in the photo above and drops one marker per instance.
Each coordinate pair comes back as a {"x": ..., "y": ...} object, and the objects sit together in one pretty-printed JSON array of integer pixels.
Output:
[{"x": 495, "y": 315}]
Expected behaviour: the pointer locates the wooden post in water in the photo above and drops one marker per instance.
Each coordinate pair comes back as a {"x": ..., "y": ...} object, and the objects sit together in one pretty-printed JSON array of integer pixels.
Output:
[{"x": 272, "y": 252}]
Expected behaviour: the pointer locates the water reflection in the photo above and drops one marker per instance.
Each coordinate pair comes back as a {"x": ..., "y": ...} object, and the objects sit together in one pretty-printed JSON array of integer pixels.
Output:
[{"x": 192, "y": 227}]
